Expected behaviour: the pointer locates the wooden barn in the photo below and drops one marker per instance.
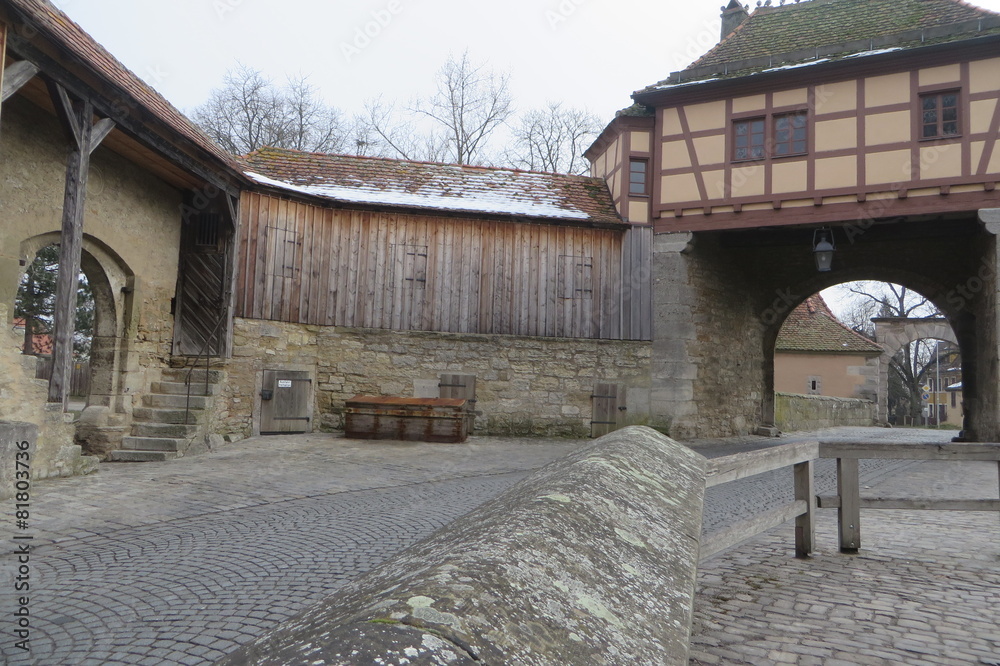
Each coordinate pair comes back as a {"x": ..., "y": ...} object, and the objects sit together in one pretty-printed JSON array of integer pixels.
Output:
[{"x": 377, "y": 246}]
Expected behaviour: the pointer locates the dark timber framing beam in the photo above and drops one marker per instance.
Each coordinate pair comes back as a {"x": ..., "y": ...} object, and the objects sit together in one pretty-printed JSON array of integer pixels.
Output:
[
  {"x": 15, "y": 76},
  {"x": 129, "y": 117},
  {"x": 84, "y": 136}
]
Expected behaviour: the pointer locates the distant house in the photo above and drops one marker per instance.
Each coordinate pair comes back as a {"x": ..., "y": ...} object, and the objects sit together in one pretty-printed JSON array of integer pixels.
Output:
[
  {"x": 41, "y": 343},
  {"x": 818, "y": 355}
]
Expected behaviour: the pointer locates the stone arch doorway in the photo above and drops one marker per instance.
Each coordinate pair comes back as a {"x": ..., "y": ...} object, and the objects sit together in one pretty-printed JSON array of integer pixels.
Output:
[
  {"x": 111, "y": 283},
  {"x": 894, "y": 333},
  {"x": 947, "y": 326}
]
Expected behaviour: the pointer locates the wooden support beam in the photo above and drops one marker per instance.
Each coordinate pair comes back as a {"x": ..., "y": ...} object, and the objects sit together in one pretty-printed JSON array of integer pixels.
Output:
[
  {"x": 805, "y": 525},
  {"x": 751, "y": 463},
  {"x": 849, "y": 514},
  {"x": 915, "y": 504},
  {"x": 15, "y": 76},
  {"x": 130, "y": 120},
  {"x": 747, "y": 529},
  {"x": 902, "y": 451},
  {"x": 84, "y": 136}
]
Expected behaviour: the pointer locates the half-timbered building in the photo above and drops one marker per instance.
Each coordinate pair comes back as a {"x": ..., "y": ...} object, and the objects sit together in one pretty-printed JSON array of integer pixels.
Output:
[{"x": 870, "y": 126}]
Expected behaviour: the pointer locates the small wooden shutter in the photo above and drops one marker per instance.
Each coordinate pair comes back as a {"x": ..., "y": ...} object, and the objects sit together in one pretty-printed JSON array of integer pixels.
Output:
[
  {"x": 462, "y": 387},
  {"x": 286, "y": 402},
  {"x": 608, "y": 402}
]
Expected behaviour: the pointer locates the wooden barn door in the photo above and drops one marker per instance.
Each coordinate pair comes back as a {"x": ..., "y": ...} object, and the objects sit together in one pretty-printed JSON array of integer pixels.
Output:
[
  {"x": 203, "y": 288},
  {"x": 462, "y": 387},
  {"x": 608, "y": 403},
  {"x": 285, "y": 402}
]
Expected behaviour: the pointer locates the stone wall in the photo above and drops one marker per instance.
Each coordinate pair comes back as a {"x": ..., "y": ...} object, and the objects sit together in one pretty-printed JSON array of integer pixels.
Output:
[
  {"x": 810, "y": 412},
  {"x": 131, "y": 226},
  {"x": 591, "y": 560},
  {"x": 23, "y": 398},
  {"x": 708, "y": 358},
  {"x": 525, "y": 385}
]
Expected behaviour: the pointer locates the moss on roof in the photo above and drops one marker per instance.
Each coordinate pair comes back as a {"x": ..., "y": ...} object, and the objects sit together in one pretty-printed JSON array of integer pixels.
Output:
[{"x": 803, "y": 25}]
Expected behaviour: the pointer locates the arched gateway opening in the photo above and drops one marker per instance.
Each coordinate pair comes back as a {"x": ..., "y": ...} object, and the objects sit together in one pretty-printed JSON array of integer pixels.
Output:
[
  {"x": 111, "y": 282},
  {"x": 723, "y": 295},
  {"x": 862, "y": 353}
]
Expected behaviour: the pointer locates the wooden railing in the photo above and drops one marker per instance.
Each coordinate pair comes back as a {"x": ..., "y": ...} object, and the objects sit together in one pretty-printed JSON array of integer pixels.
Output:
[
  {"x": 802, "y": 456},
  {"x": 849, "y": 502}
]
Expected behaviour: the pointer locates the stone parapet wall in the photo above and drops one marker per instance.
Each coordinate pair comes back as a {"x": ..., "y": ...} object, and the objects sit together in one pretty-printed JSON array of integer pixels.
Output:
[
  {"x": 591, "y": 560},
  {"x": 810, "y": 412},
  {"x": 525, "y": 385}
]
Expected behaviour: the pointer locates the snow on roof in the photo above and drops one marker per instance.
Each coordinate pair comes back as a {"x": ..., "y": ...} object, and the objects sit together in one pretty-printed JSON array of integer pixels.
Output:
[{"x": 432, "y": 186}]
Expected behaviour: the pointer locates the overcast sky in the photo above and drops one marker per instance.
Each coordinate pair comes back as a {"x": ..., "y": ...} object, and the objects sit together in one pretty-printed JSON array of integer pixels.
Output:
[{"x": 586, "y": 53}]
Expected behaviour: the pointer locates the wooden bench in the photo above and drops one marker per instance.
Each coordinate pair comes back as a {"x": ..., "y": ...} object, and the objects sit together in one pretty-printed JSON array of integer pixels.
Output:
[{"x": 409, "y": 419}]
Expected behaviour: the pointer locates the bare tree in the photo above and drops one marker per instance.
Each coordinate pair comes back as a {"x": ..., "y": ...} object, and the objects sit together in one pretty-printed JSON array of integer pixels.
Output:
[
  {"x": 470, "y": 104},
  {"x": 553, "y": 139},
  {"x": 249, "y": 112},
  {"x": 468, "y": 107},
  {"x": 382, "y": 133},
  {"x": 864, "y": 301}
]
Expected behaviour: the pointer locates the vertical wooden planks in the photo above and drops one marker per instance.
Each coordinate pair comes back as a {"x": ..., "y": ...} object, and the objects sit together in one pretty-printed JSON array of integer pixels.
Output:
[
  {"x": 805, "y": 526},
  {"x": 849, "y": 513}
]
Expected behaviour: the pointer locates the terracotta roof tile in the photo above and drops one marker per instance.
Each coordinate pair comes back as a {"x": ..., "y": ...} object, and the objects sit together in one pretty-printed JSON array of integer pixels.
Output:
[
  {"x": 433, "y": 186},
  {"x": 812, "y": 327},
  {"x": 49, "y": 20}
]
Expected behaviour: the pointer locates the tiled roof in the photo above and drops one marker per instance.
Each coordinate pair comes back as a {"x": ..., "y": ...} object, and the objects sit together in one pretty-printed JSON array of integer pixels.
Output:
[
  {"x": 812, "y": 327},
  {"x": 822, "y": 30},
  {"x": 432, "y": 186},
  {"x": 49, "y": 20},
  {"x": 41, "y": 343}
]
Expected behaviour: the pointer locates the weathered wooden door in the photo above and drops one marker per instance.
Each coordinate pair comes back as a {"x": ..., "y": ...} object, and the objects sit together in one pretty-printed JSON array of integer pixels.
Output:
[
  {"x": 608, "y": 403},
  {"x": 285, "y": 402},
  {"x": 203, "y": 288},
  {"x": 462, "y": 387}
]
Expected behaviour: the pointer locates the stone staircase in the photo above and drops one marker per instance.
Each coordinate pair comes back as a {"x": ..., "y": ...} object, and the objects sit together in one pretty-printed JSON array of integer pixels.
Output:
[{"x": 158, "y": 428}]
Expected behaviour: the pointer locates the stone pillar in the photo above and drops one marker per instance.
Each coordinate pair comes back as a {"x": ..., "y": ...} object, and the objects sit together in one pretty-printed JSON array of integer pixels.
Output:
[
  {"x": 672, "y": 366},
  {"x": 982, "y": 385}
]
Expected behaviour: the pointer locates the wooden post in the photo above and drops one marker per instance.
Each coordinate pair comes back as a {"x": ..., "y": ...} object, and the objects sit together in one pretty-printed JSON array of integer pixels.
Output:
[
  {"x": 849, "y": 514},
  {"x": 84, "y": 136},
  {"x": 805, "y": 526}
]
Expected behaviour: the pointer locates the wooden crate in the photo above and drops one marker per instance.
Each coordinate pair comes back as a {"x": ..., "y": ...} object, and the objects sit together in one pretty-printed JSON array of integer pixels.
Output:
[{"x": 410, "y": 419}]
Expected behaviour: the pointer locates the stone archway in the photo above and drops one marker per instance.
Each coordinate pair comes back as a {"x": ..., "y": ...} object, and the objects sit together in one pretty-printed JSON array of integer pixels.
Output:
[
  {"x": 894, "y": 333},
  {"x": 111, "y": 282}
]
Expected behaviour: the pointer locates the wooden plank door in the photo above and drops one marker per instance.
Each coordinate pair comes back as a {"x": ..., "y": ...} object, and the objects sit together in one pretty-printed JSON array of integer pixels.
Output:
[
  {"x": 285, "y": 402},
  {"x": 203, "y": 288},
  {"x": 608, "y": 402},
  {"x": 462, "y": 387}
]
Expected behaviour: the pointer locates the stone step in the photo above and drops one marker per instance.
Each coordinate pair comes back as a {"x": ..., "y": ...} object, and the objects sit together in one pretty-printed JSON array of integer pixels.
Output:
[
  {"x": 180, "y": 388},
  {"x": 141, "y": 456},
  {"x": 153, "y": 444},
  {"x": 173, "y": 401},
  {"x": 164, "y": 430},
  {"x": 197, "y": 375},
  {"x": 178, "y": 416}
]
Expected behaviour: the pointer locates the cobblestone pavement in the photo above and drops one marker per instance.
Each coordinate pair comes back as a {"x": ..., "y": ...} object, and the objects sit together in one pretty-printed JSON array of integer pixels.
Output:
[
  {"x": 923, "y": 590},
  {"x": 180, "y": 562}
]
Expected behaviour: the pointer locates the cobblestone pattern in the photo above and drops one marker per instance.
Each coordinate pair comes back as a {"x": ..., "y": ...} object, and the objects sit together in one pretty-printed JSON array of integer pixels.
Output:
[
  {"x": 189, "y": 591},
  {"x": 180, "y": 562},
  {"x": 924, "y": 589}
]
